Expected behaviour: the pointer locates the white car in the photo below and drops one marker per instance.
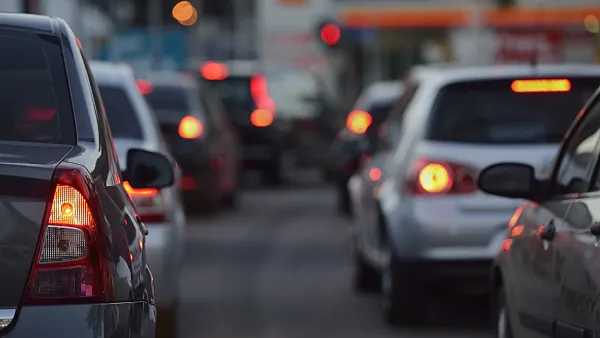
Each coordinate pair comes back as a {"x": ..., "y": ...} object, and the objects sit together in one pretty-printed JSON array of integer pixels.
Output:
[
  {"x": 428, "y": 227},
  {"x": 133, "y": 126}
]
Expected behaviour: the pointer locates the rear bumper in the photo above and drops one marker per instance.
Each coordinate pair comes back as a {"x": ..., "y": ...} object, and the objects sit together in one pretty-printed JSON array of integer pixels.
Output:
[
  {"x": 163, "y": 252},
  {"x": 435, "y": 232},
  {"x": 118, "y": 320}
]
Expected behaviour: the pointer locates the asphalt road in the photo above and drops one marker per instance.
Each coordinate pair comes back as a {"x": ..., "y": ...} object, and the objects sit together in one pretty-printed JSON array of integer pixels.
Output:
[{"x": 279, "y": 267}]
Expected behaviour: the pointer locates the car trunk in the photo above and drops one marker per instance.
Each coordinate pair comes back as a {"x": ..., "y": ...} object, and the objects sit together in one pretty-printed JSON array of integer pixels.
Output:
[{"x": 26, "y": 177}]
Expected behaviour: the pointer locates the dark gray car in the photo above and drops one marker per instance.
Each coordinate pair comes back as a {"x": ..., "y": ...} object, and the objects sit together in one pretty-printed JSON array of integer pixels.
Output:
[{"x": 72, "y": 260}]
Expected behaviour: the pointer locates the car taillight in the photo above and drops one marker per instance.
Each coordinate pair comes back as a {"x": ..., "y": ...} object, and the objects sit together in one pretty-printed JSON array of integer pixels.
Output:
[
  {"x": 148, "y": 202},
  {"x": 359, "y": 121},
  {"x": 190, "y": 128},
  {"x": 69, "y": 263},
  {"x": 430, "y": 177}
]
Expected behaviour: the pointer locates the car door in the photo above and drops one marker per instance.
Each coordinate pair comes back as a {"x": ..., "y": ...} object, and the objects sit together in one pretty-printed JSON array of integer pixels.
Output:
[{"x": 577, "y": 272}]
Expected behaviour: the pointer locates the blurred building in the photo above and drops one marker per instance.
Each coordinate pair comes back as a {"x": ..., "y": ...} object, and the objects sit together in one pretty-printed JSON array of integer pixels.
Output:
[{"x": 396, "y": 34}]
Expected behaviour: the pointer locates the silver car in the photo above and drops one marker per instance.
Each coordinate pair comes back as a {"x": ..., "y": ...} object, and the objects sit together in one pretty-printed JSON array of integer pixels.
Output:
[
  {"x": 133, "y": 126},
  {"x": 424, "y": 225}
]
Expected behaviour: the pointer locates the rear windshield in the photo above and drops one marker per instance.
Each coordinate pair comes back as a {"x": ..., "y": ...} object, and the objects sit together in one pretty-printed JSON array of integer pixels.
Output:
[
  {"x": 33, "y": 90},
  {"x": 490, "y": 112},
  {"x": 380, "y": 110},
  {"x": 121, "y": 114},
  {"x": 234, "y": 91},
  {"x": 169, "y": 102}
]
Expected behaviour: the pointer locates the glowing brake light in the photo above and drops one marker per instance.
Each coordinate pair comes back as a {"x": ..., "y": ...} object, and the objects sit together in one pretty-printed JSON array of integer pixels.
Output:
[
  {"x": 261, "y": 118},
  {"x": 144, "y": 86},
  {"x": 435, "y": 178},
  {"x": 136, "y": 192},
  {"x": 72, "y": 253},
  {"x": 541, "y": 86},
  {"x": 359, "y": 121},
  {"x": 429, "y": 177},
  {"x": 214, "y": 71},
  {"x": 190, "y": 128}
]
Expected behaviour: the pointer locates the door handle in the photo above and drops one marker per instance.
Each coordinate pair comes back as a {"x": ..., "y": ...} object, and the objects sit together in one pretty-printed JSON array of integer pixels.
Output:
[{"x": 549, "y": 231}]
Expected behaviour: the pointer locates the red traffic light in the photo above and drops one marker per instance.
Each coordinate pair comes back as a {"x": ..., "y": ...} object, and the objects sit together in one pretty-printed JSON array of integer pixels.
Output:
[{"x": 330, "y": 34}]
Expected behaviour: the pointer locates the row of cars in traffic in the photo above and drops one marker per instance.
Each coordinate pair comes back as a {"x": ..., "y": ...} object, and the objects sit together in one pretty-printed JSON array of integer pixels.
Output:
[{"x": 479, "y": 179}]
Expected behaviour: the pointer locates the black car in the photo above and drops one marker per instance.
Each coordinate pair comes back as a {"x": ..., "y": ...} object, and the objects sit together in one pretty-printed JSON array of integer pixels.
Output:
[
  {"x": 73, "y": 258},
  {"x": 251, "y": 111},
  {"x": 193, "y": 123}
]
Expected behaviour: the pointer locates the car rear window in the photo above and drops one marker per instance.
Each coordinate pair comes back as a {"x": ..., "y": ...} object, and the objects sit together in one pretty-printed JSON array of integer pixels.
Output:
[
  {"x": 34, "y": 90},
  {"x": 490, "y": 112},
  {"x": 380, "y": 110},
  {"x": 169, "y": 102},
  {"x": 120, "y": 112},
  {"x": 234, "y": 91}
]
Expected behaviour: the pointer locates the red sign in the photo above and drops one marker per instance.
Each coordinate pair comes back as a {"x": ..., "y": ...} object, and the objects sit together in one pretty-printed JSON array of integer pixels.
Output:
[{"x": 519, "y": 47}]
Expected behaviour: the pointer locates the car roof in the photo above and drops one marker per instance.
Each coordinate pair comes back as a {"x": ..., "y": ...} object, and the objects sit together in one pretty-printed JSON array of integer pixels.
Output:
[
  {"x": 40, "y": 23},
  {"x": 170, "y": 78},
  {"x": 110, "y": 72},
  {"x": 448, "y": 73},
  {"x": 378, "y": 92}
]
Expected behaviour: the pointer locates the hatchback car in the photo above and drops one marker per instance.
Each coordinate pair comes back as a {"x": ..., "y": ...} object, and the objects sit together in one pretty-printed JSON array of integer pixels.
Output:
[
  {"x": 354, "y": 145},
  {"x": 545, "y": 278},
  {"x": 193, "y": 122},
  {"x": 73, "y": 245},
  {"x": 428, "y": 224},
  {"x": 133, "y": 126}
]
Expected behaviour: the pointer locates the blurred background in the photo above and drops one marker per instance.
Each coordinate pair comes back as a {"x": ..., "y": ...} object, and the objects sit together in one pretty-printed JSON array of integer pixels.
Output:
[{"x": 279, "y": 264}]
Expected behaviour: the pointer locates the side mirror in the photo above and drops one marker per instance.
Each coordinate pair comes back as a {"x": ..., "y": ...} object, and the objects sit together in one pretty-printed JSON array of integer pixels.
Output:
[
  {"x": 146, "y": 169},
  {"x": 514, "y": 180}
]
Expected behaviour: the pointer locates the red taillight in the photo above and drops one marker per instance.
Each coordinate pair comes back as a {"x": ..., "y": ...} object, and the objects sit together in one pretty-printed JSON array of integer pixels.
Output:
[
  {"x": 214, "y": 71},
  {"x": 148, "y": 202},
  {"x": 144, "y": 87},
  {"x": 429, "y": 177},
  {"x": 261, "y": 118},
  {"x": 359, "y": 121},
  {"x": 541, "y": 86},
  {"x": 69, "y": 264},
  {"x": 190, "y": 128}
]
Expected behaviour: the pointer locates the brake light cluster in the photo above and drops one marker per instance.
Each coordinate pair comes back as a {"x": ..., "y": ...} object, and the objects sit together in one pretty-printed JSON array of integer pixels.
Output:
[
  {"x": 431, "y": 177},
  {"x": 190, "y": 127},
  {"x": 149, "y": 203},
  {"x": 69, "y": 264},
  {"x": 264, "y": 115}
]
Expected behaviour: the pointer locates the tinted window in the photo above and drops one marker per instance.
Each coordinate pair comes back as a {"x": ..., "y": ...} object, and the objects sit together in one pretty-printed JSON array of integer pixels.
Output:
[
  {"x": 168, "y": 100},
  {"x": 234, "y": 91},
  {"x": 34, "y": 90},
  {"x": 120, "y": 112},
  {"x": 489, "y": 112},
  {"x": 380, "y": 111}
]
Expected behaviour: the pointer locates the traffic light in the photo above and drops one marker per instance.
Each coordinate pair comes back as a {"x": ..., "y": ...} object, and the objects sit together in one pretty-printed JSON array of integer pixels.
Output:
[{"x": 329, "y": 33}]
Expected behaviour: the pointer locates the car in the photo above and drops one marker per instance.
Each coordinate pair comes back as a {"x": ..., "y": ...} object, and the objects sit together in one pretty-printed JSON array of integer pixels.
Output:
[
  {"x": 545, "y": 275},
  {"x": 251, "y": 110},
  {"x": 428, "y": 226},
  {"x": 133, "y": 126},
  {"x": 200, "y": 138},
  {"x": 74, "y": 257},
  {"x": 353, "y": 145}
]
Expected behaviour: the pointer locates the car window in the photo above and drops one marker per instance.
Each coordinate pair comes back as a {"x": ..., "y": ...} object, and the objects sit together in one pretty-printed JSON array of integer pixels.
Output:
[
  {"x": 579, "y": 155},
  {"x": 34, "y": 90},
  {"x": 121, "y": 114},
  {"x": 492, "y": 112},
  {"x": 214, "y": 105},
  {"x": 393, "y": 124},
  {"x": 170, "y": 103}
]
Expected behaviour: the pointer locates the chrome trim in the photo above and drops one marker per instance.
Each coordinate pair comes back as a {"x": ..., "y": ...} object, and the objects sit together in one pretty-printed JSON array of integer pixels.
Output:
[{"x": 6, "y": 317}]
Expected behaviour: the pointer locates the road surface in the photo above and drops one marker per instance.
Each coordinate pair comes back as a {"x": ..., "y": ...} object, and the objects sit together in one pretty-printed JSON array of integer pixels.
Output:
[{"x": 279, "y": 267}]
